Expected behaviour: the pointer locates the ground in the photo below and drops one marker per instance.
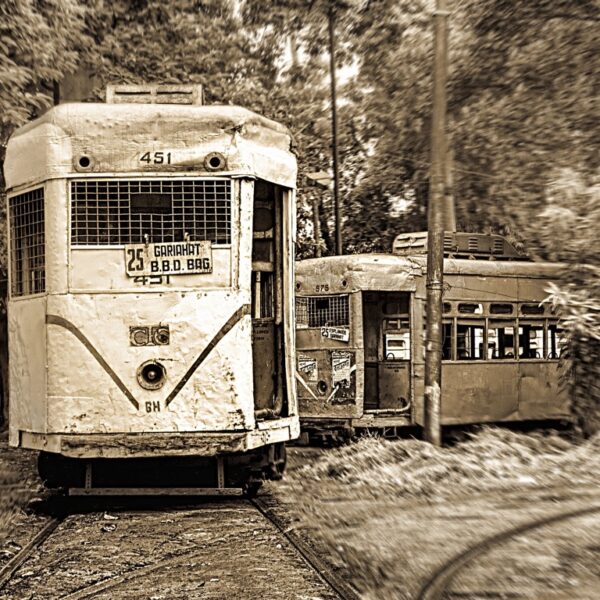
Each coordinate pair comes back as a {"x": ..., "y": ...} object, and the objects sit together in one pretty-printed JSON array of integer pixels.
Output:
[{"x": 385, "y": 514}]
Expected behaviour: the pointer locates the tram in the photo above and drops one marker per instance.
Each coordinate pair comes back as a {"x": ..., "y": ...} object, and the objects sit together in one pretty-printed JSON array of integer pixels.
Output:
[
  {"x": 360, "y": 327},
  {"x": 151, "y": 308}
]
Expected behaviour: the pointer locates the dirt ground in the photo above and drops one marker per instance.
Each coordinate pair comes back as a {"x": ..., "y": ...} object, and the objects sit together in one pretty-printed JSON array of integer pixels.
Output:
[
  {"x": 388, "y": 531},
  {"x": 384, "y": 514}
]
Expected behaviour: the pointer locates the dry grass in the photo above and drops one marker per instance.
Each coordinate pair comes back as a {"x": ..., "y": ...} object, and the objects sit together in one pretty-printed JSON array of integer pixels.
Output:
[
  {"x": 377, "y": 508},
  {"x": 493, "y": 458},
  {"x": 18, "y": 484}
]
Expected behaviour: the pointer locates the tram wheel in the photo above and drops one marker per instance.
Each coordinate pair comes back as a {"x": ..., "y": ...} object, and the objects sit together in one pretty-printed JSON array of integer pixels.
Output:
[
  {"x": 251, "y": 488},
  {"x": 277, "y": 462}
]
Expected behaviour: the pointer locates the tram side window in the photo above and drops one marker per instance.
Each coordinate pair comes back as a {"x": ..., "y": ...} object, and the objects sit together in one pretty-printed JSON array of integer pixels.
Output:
[
  {"x": 531, "y": 340},
  {"x": 501, "y": 340},
  {"x": 322, "y": 311},
  {"x": 447, "y": 341},
  {"x": 27, "y": 252},
  {"x": 469, "y": 341},
  {"x": 555, "y": 341}
]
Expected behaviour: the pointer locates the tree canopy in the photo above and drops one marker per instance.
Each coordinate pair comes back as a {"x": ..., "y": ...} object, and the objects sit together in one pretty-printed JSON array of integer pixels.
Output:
[{"x": 523, "y": 121}]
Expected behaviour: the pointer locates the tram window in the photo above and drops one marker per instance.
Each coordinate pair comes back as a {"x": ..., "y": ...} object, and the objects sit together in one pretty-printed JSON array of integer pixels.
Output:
[
  {"x": 27, "y": 252},
  {"x": 395, "y": 324},
  {"x": 470, "y": 309},
  {"x": 160, "y": 210},
  {"x": 262, "y": 295},
  {"x": 555, "y": 341},
  {"x": 531, "y": 340},
  {"x": 397, "y": 306},
  {"x": 262, "y": 251},
  {"x": 263, "y": 218},
  {"x": 469, "y": 341},
  {"x": 447, "y": 341},
  {"x": 322, "y": 311},
  {"x": 501, "y": 340},
  {"x": 447, "y": 307},
  {"x": 532, "y": 309},
  {"x": 501, "y": 309}
]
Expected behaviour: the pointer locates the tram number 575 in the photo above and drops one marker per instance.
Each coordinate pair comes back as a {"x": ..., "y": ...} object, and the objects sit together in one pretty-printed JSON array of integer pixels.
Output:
[
  {"x": 136, "y": 259},
  {"x": 156, "y": 158}
]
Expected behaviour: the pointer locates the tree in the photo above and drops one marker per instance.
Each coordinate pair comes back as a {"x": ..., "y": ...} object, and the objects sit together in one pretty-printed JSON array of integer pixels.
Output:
[{"x": 39, "y": 43}]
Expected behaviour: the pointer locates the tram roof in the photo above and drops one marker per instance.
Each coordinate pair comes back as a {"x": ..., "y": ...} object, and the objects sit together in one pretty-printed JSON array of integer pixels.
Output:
[
  {"x": 115, "y": 136},
  {"x": 388, "y": 272}
]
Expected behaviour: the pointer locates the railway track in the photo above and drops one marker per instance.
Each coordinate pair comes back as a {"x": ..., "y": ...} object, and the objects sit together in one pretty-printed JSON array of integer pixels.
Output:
[
  {"x": 438, "y": 584},
  {"x": 109, "y": 586},
  {"x": 10, "y": 568},
  {"x": 338, "y": 585}
]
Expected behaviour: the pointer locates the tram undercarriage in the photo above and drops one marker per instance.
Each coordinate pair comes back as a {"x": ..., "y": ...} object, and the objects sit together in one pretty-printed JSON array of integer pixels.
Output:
[{"x": 231, "y": 474}]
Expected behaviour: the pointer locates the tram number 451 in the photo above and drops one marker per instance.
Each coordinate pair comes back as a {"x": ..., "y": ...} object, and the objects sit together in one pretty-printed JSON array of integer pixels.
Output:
[{"x": 156, "y": 158}]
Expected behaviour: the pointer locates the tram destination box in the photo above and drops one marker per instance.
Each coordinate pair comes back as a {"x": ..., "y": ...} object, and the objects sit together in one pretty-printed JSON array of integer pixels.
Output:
[{"x": 173, "y": 258}]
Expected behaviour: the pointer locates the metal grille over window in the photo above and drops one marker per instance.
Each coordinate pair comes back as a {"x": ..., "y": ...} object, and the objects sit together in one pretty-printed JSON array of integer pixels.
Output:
[
  {"x": 153, "y": 210},
  {"x": 321, "y": 311},
  {"x": 28, "y": 274}
]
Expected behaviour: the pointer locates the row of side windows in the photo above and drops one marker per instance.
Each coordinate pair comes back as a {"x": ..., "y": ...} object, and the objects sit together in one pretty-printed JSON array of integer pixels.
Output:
[{"x": 494, "y": 339}]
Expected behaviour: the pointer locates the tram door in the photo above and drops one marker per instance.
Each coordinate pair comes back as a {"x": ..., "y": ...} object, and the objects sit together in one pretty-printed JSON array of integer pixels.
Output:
[
  {"x": 267, "y": 297},
  {"x": 386, "y": 327}
]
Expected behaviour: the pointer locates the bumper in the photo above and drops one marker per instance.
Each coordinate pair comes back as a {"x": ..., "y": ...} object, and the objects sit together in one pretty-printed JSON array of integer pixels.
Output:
[{"x": 147, "y": 445}]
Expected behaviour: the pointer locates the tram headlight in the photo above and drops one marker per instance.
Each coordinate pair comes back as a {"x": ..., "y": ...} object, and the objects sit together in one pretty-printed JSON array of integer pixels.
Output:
[
  {"x": 151, "y": 375},
  {"x": 215, "y": 161}
]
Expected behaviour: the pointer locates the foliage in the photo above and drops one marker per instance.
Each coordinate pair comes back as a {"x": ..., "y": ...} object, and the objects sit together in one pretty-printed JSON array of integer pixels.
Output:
[
  {"x": 40, "y": 42},
  {"x": 568, "y": 232}
]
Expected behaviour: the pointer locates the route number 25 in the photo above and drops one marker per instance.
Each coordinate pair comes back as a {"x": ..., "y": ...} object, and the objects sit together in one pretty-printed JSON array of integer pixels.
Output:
[
  {"x": 136, "y": 259},
  {"x": 157, "y": 158}
]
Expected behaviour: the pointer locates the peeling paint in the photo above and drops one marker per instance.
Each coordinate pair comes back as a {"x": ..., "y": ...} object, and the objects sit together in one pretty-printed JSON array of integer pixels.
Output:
[{"x": 81, "y": 381}]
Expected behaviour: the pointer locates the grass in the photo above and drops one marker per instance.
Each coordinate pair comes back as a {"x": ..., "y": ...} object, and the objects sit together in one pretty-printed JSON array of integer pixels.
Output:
[
  {"x": 491, "y": 459},
  {"x": 387, "y": 512}
]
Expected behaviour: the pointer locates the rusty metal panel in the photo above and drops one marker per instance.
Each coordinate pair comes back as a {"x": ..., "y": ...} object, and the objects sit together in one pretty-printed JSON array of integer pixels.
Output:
[
  {"x": 479, "y": 392},
  {"x": 263, "y": 348},
  {"x": 480, "y": 288},
  {"x": 540, "y": 394},
  {"x": 357, "y": 273},
  {"x": 327, "y": 383},
  {"x": 394, "y": 385}
]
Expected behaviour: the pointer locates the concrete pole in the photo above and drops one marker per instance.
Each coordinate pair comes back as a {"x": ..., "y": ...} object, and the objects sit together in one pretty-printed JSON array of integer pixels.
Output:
[
  {"x": 435, "y": 237},
  {"x": 334, "y": 131}
]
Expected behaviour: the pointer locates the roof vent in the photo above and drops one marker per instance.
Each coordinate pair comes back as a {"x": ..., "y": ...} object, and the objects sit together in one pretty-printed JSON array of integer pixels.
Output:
[
  {"x": 459, "y": 245},
  {"x": 154, "y": 94}
]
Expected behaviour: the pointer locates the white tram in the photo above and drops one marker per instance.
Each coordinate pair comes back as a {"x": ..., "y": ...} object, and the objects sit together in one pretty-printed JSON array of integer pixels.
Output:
[{"x": 151, "y": 291}]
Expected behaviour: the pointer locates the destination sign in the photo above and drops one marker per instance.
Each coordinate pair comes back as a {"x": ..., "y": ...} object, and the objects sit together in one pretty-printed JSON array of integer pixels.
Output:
[{"x": 175, "y": 258}]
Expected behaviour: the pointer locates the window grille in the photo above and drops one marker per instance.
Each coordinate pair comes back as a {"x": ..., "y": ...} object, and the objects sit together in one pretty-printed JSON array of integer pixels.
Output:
[
  {"x": 321, "y": 311},
  {"x": 125, "y": 212},
  {"x": 28, "y": 273}
]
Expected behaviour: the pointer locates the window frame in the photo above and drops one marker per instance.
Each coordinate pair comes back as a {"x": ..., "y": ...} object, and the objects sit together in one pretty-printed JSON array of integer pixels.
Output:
[
  {"x": 307, "y": 299},
  {"x": 12, "y": 270},
  {"x": 79, "y": 246}
]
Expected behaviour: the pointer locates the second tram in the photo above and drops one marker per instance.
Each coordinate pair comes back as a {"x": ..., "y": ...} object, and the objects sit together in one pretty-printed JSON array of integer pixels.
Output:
[{"x": 361, "y": 327}]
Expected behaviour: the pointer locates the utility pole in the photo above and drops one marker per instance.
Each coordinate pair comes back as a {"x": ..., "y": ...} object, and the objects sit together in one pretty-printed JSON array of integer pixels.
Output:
[
  {"x": 435, "y": 228},
  {"x": 334, "y": 128}
]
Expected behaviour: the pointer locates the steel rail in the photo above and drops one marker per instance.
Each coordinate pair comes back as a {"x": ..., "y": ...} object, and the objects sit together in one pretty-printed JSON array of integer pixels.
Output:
[
  {"x": 437, "y": 584},
  {"x": 9, "y": 569},
  {"x": 344, "y": 590}
]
